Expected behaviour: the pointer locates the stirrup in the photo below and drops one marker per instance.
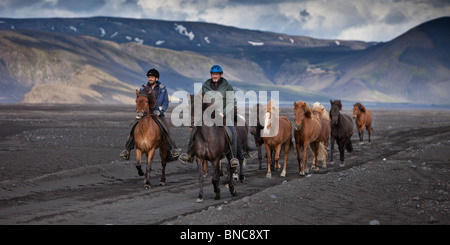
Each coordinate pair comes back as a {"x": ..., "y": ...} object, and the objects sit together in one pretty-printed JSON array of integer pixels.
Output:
[
  {"x": 185, "y": 158},
  {"x": 175, "y": 153},
  {"x": 234, "y": 162},
  {"x": 125, "y": 154}
]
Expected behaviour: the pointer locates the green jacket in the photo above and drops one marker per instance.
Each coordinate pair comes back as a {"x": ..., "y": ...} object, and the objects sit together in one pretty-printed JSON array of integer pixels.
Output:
[{"x": 223, "y": 88}]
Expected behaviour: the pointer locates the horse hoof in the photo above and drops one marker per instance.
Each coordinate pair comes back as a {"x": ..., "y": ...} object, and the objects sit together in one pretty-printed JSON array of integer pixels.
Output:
[
  {"x": 269, "y": 175},
  {"x": 324, "y": 166},
  {"x": 361, "y": 143},
  {"x": 341, "y": 164},
  {"x": 316, "y": 169},
  {"x": 331, "y": 162},
  {"x": 147, "y": 186},
  {"x": 217, "y": 198},
  {"x": 302, "y": 173},
  {"x": 234, "y": 193},
  {"x": 162, "y": 183},
  {"x": 242, "y": 178},
  {"x": 283, "y": 174},
  {"x": 199, "y": 200},
  {"x": 227, "y": 186}
]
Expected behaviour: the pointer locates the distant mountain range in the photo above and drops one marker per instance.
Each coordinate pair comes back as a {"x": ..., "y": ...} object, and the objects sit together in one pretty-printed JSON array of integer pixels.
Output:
[{"x": 103, "y": 59}]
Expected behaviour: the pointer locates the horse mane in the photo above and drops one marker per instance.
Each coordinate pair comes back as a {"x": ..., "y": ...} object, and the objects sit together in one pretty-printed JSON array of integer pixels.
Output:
[
  {"x": 308, "y": 111},
  {"x": 336, "y": 102},
  {"x": 360, "y": 106}
]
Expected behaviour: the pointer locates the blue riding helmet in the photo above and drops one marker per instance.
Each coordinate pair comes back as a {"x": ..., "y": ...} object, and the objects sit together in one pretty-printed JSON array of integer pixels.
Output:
[{"x": 216, "y": 68}]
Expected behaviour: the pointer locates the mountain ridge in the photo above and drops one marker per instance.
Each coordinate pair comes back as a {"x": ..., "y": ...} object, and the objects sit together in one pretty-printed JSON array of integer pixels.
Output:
[{"x": 412, "y": 68}]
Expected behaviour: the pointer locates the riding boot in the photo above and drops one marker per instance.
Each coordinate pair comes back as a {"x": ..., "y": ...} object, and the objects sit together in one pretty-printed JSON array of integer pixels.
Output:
[
  {"x": 234, "y": 162},
  {"x": 129, "y": 145},
  {"x": 173, "y": 151},
  {"x": 189, "y": 155}
]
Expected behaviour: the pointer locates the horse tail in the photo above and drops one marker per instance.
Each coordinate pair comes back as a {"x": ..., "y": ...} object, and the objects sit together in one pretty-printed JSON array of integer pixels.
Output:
[
  {"x": 349, "y": 146},
  {"x": 322, "y": 152}
]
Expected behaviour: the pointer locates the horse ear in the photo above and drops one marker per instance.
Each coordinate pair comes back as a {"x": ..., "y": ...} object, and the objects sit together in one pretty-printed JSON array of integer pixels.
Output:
[
  {"x": 295, "y": 106},
  {"x": 137, "y": 92},
  {"x": 331, "y": 102}
]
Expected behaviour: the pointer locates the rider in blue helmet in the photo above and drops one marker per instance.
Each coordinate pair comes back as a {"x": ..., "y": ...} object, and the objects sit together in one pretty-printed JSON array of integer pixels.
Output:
[{"x": 220, "y": 84}]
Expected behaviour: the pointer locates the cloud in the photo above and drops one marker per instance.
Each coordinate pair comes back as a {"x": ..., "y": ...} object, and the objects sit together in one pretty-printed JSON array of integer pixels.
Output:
[{"x": 365, "y": 20}]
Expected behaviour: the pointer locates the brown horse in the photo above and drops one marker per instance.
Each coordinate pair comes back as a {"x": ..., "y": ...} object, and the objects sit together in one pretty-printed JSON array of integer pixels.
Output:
[
  {"x": 210, "y": 144},
  {"x": 148, "y": 138},
  {"x": 307, "y": 130},
  {"x": 341, "y": 130},
  {"x": 363, "y": 120},
  {"x": 324, "y": 137},
  {"x": 283, "y": 136}
]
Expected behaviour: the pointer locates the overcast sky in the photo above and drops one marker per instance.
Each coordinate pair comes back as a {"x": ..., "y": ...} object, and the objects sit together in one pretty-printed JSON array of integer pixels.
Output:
[{"x": 366, "y": 20}]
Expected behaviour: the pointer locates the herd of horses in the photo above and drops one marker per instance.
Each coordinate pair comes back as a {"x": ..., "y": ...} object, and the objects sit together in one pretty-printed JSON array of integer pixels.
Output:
[{"x": 313, "y": 128}]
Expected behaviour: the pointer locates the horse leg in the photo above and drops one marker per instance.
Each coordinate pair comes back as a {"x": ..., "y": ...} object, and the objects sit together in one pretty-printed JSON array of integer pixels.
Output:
[
  {"x": 305, "y": 169},
  {"x": 205, "y": 167},
  {"x": 277, "y": 157},
  {"x": 332, "y": 140},
  {"x": 259, "y": 156},
  {"x": 341, "y": 146},
  {"x": 241, "y": 170},
  {"x": 216, "y": 178},
  {"x": 315, "y": 149},
  {"x": 286, "y": 153},
  {"x": 369, "y": 129},
  {"x": 148, "y": 169},
  {"x": 231, "y": 180},
  {"x": 299, "y": 157},
  {"x": 138, "y": 162},
  {"x": 269, "y": 160},
  {"x": 163, "y": 155},
  {"x": 324, "y": 164},
  {"x": 201, "y": 178}
]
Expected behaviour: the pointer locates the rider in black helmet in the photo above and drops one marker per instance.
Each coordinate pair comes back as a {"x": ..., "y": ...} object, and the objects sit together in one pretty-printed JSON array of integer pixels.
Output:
[{"x": 159, "y": 91}]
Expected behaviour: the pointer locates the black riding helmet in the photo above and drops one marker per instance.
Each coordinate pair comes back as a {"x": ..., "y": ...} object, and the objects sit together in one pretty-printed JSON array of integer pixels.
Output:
[{"x": 153, "y": 72}]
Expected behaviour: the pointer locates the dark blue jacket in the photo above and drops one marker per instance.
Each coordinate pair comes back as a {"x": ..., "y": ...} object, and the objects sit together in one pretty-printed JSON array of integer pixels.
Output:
[{"x": 162, "y": 100}]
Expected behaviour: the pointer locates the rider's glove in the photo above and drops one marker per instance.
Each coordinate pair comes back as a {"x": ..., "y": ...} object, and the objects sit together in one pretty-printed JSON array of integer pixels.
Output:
[{"x": 157, "y": 113}]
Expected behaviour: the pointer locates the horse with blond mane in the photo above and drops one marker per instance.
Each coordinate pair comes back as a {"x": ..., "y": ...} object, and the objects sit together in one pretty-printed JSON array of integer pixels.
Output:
[
  {"x": 324, "y": 137},
  {"x": 306, "y": 132},
  {"x": 283, "y": 136},
  {"x": 363, "y": 119}
]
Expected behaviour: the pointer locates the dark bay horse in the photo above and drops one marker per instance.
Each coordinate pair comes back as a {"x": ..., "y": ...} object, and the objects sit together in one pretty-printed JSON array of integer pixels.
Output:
[
  {"x": 210, "y": 144},
  {"x": 363, "y": 120},
  {"x": 283, "y": 136},
  {"x": 256, "y": 132},
  {"x": 307, "y": 130},
  {"x": 324, "y": 137},
  {"x": 341, "y": 130},
  {"x": 148, "y": 138}
]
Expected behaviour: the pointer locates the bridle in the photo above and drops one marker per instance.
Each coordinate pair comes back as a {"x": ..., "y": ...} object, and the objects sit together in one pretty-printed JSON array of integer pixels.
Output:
[{"x": 141, "y": 114}]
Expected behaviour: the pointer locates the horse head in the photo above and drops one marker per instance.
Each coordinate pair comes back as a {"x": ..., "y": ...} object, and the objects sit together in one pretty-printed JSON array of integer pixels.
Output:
[
  {"x": 301, "y": 110},
  {"x": 269, "y": 110},
  {"x": 336, "y": 106},
  {"x": 144, "y": 101},
  {"x": 358, "y": 108}
]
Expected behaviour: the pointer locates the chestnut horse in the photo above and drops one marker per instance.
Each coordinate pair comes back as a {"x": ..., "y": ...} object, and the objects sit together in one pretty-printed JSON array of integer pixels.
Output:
[
  {"x": 307, "y": 130},
  {"x": 283, "y": 136},
  {"x": 341, "y": 130},
  {"x": 363, "y": 120},
  {"x": 324, "y": 137},
  {"x": 148, "y": 138},
  {"x": 210, "y": 144}
]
